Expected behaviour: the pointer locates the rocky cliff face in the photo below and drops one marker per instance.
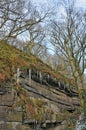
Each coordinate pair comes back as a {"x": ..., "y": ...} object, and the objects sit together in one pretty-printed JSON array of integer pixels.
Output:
[
  {"x": 32, "y": 95},
  {"x": 33, "y": 103}
]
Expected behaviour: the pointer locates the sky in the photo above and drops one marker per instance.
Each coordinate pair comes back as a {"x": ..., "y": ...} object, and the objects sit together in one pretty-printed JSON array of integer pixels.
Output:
[
  {"x": 52, "y": 3},
  {"x": 79, "y": 3}
]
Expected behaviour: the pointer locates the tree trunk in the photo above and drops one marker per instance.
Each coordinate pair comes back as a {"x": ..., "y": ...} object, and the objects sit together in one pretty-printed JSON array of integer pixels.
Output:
[{"x": 80, "y": 87}]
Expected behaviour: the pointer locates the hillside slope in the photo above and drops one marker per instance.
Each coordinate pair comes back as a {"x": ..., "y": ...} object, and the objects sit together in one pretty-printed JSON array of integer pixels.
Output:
[
  {"x": 11, "y": 58},
  {"x": 44, "y": 99}
]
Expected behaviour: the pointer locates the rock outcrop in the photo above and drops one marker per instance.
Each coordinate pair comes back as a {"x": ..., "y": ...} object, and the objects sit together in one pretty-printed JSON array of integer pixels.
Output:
[
  {"x": 32, "y": 95},
  {"x": 33, "y": 104}
]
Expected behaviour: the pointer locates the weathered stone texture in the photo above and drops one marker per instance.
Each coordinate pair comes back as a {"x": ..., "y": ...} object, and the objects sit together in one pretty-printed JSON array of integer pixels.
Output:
[{"x": 48, "y": 102}]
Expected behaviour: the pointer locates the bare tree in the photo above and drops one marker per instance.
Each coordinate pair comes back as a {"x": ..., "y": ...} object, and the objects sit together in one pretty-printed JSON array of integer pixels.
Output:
[
  {"x": 68, "y": 36},
  {"x": 17, "y": 17},
  {"x": 36, "y": 37},
  {"x": 21, "y": 19}
]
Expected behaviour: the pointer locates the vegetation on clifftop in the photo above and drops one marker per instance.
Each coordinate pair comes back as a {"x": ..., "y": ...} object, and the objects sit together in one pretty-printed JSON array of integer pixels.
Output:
[{"x": 12, "y": 58}]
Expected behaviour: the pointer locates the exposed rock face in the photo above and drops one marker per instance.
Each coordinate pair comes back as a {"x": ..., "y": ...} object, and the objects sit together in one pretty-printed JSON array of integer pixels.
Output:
[{"x": 47, "y": 100}]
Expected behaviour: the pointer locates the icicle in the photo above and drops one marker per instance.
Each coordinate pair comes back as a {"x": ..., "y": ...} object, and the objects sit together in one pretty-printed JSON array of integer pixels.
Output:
[
  {"x": 29, "y": 76},
  {"x": 48, "y": 77},
  {"x": 59, "y": 84},
  {"x": 40, "y": 76},
  {"x": 55, "y": 79},
  {"x": 18, "y": 74}
]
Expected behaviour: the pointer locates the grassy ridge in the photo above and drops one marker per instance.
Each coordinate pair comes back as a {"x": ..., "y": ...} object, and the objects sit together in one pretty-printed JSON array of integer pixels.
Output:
[{"x": 11, "y": 58}]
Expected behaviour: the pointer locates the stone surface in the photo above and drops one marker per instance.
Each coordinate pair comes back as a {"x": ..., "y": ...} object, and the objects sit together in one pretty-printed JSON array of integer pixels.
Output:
[{"x": 48, "y": 101}]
